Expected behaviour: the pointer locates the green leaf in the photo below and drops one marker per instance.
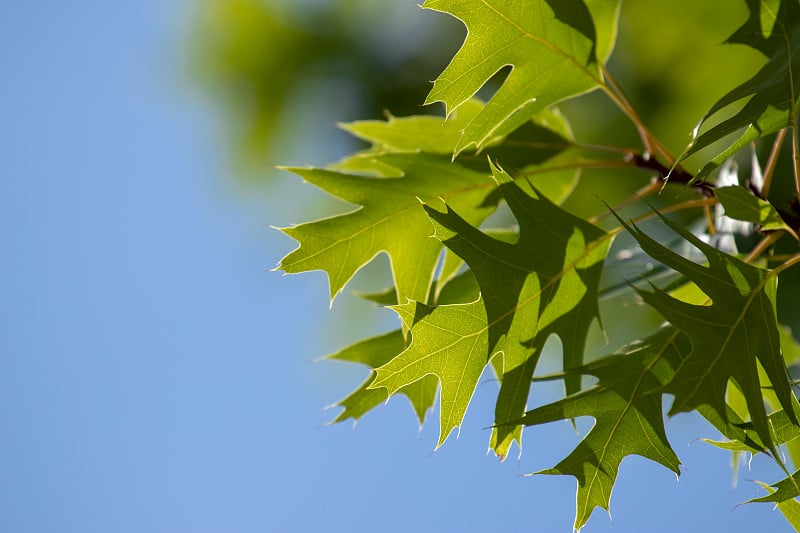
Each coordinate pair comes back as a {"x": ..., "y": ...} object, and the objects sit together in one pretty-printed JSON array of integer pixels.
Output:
[
  {"x": 790, "y": 508},
  {"x": 783, "y": 490},
  {"x": 569, "y": 39},
  {"x": 773, "y": 92},
  {"x": 628, "y": 416},
  {"x": 374, "y": 352},
  {"x": 789, "y": 346},
  {"x": 729, "y": 337},
  {"x": 379, "y": 350},
  {"x": 741, "y": 204},
  {"x": 782, "y": 430},
  {"x": 768, "y": 13},
  {"x": 545, "y": 283},
  {"x": 429, "y": 134},
  {"x": 448, "y": 341},
  {"x": 543, "y": 147},
  {"x": 390, "y": 219}
]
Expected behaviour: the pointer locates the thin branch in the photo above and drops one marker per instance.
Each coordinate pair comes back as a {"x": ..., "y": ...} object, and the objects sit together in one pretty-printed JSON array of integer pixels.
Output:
[
  {"x": 788, "y": 264},
  {"x": 569, "y": 144},
  {"x": 712, "y": 228},
  {"x": 768, "y": 240},
  {"x": 651, "y": 188},
  {"x": 676, "y": 207},
  {"x": 651, "y": 144},
  {"x": 587, "y": 163},
  {"x": 678, "y": 175}
]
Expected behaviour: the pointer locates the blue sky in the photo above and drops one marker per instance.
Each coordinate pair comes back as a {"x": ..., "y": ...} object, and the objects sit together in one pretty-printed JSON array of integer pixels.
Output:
[{"x": 155, "y": 376}]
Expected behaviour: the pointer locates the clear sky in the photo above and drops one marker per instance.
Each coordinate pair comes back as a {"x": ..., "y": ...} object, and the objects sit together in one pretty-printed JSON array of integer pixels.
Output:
[{"x": 155, "y": 376}]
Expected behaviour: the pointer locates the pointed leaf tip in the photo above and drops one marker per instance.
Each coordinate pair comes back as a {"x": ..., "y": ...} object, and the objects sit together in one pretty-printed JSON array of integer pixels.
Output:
[{"x": 573, "y": 38}]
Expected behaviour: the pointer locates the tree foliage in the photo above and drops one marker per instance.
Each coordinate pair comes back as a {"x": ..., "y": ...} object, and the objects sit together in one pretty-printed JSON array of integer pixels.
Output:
[{"x": 469, "y": 297}]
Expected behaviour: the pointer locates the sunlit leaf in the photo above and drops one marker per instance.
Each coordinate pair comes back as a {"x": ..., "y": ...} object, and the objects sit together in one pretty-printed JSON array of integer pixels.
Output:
[
  {"x": 390, "y": 219},
  {"x": 374, "y": 352},
  {"x": 570, "y": 40},
  {"x": 628, "y": 417},
  {"x": 545, "y": 283}
]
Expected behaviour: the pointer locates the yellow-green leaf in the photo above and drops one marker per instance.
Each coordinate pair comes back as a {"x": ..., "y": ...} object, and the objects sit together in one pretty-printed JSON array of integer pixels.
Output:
[{"x": 569, "y": 39}]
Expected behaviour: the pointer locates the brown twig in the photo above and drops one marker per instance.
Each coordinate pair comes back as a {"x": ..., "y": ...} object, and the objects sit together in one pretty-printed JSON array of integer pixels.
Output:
[{"x": 769, "y": 170}]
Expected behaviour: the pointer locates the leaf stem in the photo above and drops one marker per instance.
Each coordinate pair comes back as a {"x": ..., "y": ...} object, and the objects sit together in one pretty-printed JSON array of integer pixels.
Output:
[
  {"x": 794, "y": 260},
  {"x": 679, "y": 207},
  {"x": 668, "y": 209},
  {"x": 768, "y": 240},
  {"x": 642, "y": 193},
  {"x": 651, "y": 144},
  {"x": 588, "y": 163},
  {"x": 603, "y": 148},
  {"x": 570, "y": 144},
  {"x": 796, "y": 158},
  {"x": 769, "y": 170}
]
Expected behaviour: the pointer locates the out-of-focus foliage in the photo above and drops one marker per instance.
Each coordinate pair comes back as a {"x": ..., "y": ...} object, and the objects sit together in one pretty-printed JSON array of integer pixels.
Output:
[
  {"x": 470, "y": 298},
  {"x": 259, "y": 56}
]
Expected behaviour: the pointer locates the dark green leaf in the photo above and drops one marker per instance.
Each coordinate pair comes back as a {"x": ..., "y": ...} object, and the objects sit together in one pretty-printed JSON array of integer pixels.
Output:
[
  {"x": 628, "y": 416},
  {"x": 773, "y": 92},
  {"x": 729, "y": 337},
  {"x": 741, "y": 204},
  {"x": 543, "y": 284}
]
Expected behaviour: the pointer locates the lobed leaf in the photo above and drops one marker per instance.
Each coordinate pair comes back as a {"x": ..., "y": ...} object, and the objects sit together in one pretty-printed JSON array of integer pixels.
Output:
[
  {"x": 390, "y": 219},
  {"x": 380, "y": 350},
  {"x": 782, "y": 491},
  {"x": 542, "y": 147},
  {"x": 448, "y": 341},
  {"x": 789, "y": 508},
  {"x": 544, "y": 283},
  {"x": 570, "y": 40},
  {"x": 374, "y": 352},
  {"x": 773, "y": 28},
  {"x": 628, "y": 416},
  {"x": 730, "y": 337}
]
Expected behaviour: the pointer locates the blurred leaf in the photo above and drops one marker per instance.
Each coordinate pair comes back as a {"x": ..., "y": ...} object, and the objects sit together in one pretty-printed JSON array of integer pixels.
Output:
[{"x": 235, "y": 53}]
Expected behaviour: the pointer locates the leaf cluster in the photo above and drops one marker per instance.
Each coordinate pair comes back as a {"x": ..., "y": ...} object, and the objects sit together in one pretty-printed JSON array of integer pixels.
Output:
[{"x": 473, "y": 298}]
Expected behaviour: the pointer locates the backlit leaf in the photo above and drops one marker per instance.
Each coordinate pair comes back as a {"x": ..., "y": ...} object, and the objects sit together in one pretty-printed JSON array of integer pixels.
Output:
[
  {"x": 628, "y": 416},
  {"x": 374, "y": 352},
  {"x": 448, "y": 341},
  {"x": 790, "y": 508},
  {"x": 390, "y": 219},
  {"x": 543, "y": 146},
  {"x": 543, "y": 284},
  {"x": 570, "y": 40}
]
